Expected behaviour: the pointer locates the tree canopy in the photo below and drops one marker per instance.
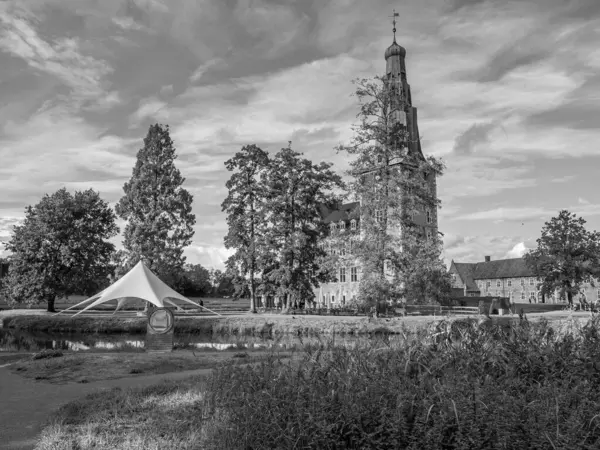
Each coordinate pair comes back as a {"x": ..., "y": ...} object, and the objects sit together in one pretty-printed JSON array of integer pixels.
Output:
[
  {"x": 396, "y": 186},
  {"x": 295, "y": 189},
  {"x": 158, "y": 210},
  {"x": 61, "y": 248},
  {"x": 245, "y": 211},
  {"x": 566, "y": 257}
]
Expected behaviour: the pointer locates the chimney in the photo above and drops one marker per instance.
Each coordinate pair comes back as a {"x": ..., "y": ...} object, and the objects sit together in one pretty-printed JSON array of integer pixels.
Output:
[{"x": 488, "y": 259}]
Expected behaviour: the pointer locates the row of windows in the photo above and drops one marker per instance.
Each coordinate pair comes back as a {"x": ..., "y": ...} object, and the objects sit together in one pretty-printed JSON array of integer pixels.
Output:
[
  {"x": 342, "y": 249},
  {"x": 379, "y": 216},
  {"x": 508, "y": 283},
  {"x": 525, "y": 294},
  {"x": 342, "y": 225},
  {"x": 353, "y": 274}
]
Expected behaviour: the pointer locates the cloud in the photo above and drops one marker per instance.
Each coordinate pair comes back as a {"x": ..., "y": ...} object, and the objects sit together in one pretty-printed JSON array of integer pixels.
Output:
[
  {"x": 474, "y": 248},
  {"x": 127, "y": 23},
  {"x": 472, "y": 177},
  {"x": 211, "y": 257},
  {"x": 563, "y": 179},
  {"x": 517, "y": 251},
  {"x": 279, "y": 28},
  {"x": 61, "y": 58},
  {"x": 510, "y": 214},
  {"x": 476, "y": 134},
  {"x": 148, "y": 108},
  {"x": 525, "y": 213}
]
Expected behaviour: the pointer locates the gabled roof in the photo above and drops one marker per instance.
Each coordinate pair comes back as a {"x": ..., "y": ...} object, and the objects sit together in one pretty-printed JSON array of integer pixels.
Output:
[
  {"x": 341, "y": 213},
  {"x": 501, "y": 268},
  {"x": 465, "y": 271}
]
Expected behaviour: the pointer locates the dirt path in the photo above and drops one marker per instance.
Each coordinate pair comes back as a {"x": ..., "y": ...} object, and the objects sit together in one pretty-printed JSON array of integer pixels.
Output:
[{"x": 25, "y": 404}]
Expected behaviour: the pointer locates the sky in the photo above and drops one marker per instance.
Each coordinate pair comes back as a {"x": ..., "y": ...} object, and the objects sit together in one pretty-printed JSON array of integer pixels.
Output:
[{"x": 507, "y": 93}]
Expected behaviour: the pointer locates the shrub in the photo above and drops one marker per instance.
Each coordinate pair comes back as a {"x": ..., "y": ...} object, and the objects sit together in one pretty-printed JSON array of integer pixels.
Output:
[
  {"x": 458, "y": 385},
  {"x": 47, "y": 354}
]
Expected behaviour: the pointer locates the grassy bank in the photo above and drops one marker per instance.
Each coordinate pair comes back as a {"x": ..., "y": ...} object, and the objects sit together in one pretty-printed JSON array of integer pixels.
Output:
[
  {"x": 88, "y": 367},
  {"x": 228, "y": 325},
  {"x": 456, "y": 385},
  {"x": 243, "y": 325}
]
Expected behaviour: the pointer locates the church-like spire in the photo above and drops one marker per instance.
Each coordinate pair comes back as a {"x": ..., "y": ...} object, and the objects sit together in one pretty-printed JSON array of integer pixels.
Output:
[{"x": 394, "y": 54}]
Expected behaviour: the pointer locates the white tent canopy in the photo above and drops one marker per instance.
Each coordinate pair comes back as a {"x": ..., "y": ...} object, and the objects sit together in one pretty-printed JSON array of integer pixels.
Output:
[{"x": 140, "y": 283}]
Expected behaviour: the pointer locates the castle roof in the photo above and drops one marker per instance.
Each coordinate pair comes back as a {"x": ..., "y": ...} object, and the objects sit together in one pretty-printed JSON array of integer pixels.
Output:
[
  {"x": 341, "y": 213},
  {"x": 395, "y": 50},
  {"x": 501, "y": 268}
]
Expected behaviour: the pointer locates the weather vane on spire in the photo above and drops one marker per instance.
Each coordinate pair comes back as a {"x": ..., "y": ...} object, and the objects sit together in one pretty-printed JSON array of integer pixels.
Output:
[{"x": 394, "y": 22}]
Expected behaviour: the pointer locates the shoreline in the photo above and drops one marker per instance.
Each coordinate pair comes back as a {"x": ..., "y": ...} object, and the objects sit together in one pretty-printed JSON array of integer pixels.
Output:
[{"x": 254, "y": 324}]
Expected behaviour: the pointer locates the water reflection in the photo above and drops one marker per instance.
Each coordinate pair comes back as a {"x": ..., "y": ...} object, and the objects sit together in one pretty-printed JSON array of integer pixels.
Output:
[{"x": 11, "y": 340}]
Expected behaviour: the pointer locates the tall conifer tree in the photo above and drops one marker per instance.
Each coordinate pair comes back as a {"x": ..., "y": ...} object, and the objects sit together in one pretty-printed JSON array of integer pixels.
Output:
[
  {"x": 245, "y": 210},
  {"x": 158, "y": 210}
]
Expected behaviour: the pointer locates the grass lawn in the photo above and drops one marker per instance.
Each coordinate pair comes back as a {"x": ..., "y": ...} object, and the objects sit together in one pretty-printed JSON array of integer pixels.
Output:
[{"x": 95, "y": 366}]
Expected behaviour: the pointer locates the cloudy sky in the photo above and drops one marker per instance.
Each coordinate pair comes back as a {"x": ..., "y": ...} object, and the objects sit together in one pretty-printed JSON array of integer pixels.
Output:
[{"x": 507, "y": 91}]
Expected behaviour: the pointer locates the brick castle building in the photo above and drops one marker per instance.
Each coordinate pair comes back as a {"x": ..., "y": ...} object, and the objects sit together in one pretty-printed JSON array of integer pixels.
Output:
[
  {"x": 343, "y": 224},
  {"x": 510, "y": 278}
]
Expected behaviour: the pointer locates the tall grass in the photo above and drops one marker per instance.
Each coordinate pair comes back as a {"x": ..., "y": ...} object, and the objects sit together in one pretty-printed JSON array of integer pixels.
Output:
[{"x": 457, "y": 386}]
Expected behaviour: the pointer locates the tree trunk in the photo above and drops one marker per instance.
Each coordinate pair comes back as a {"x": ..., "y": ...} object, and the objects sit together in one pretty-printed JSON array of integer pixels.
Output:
[
  {"x": 51, "y": 300},
  {"x": 252, "y": 296},
  {"x": 570, "y": 297}
]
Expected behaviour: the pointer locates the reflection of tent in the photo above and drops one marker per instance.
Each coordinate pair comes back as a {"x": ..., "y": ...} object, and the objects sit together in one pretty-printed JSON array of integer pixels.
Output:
[{"x": 138, "y": 283}]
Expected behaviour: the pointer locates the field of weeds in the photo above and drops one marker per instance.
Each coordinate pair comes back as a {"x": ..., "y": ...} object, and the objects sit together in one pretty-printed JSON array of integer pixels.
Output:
[{"x": 455, "y": 385}]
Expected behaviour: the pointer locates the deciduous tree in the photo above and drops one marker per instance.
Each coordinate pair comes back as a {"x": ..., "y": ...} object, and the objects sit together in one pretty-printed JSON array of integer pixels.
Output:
[
  {"x": 566, "y": 257},
  {"x": 395, "y": 185},
  {"x": 295, "y": 189},
  {"x": 61, "y": 248},
  {"x": 196, "y": 280},
  {"x": 158, "y": 210}
]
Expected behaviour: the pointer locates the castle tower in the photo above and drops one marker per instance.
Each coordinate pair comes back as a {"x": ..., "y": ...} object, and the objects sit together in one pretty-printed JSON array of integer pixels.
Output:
[
  {"x": 395, "y": 73},
  {"x": 405, "y": 113}
]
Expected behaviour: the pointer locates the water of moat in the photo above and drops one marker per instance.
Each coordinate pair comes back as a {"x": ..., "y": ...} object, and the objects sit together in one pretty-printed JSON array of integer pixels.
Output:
[{"x": 19, "y": 341}]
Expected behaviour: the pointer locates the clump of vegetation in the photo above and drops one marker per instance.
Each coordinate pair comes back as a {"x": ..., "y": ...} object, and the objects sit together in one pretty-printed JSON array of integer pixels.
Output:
[
  {"x": 458, "y": 386},
  {"x": 47, "y": 354}
]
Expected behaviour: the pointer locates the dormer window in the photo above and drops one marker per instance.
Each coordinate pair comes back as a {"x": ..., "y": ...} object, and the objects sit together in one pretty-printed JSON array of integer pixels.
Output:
[
  {"x": 353, "y": 224},
  {"x": 332, "y": 226},
  {"x": 342, "y": 226}
]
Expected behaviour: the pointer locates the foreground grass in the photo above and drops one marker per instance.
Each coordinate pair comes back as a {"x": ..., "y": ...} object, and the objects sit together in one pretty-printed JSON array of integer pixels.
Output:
[
  {"x": 457, "y": 385},
  {"x": 88, "y": 367}
]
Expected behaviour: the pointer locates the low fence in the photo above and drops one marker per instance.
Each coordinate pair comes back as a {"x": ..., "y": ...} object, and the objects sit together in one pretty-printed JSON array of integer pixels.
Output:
[{"x": 408, "y": 310}]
